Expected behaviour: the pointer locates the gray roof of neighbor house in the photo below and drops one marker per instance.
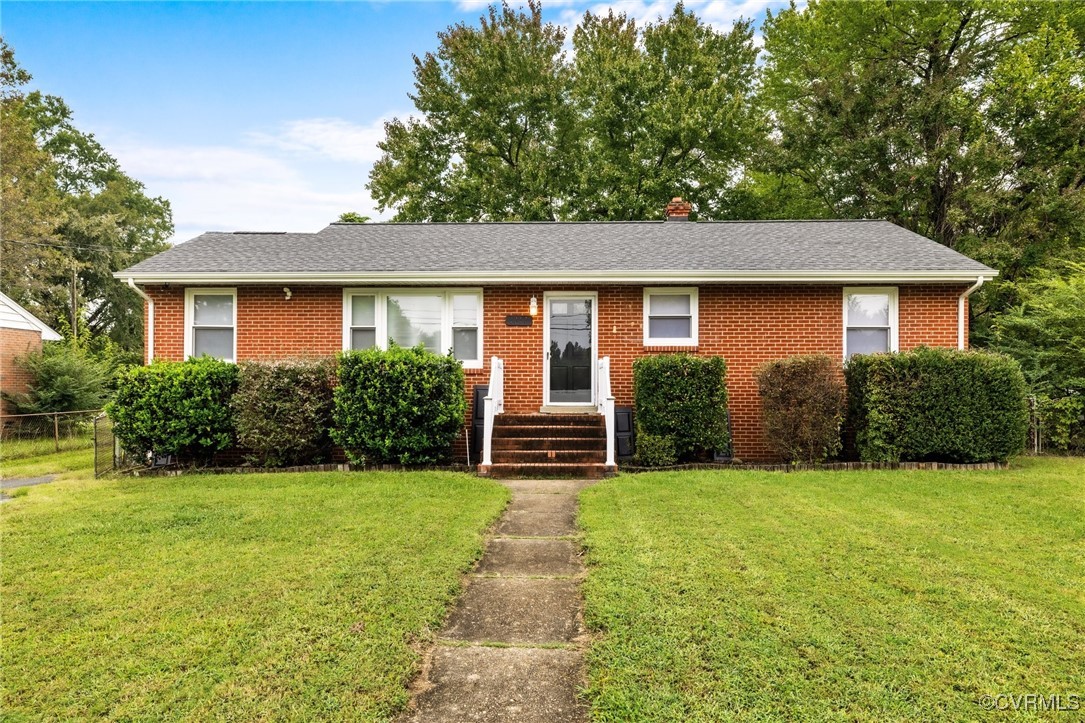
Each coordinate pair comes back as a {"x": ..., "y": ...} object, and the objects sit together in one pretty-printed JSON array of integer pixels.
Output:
[{"x": 511, "y": 251}]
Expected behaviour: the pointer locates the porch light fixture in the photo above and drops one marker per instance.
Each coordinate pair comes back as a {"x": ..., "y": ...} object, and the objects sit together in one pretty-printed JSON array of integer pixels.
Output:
[
  {"x": 287, "y": 293},
  {"x": 534, "y": 306}
]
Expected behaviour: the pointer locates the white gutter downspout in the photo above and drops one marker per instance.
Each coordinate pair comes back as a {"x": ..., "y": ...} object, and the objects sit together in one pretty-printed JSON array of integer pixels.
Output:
[
  {"x": 960, "y": 310},
  {"x": 150, "y": 319}
]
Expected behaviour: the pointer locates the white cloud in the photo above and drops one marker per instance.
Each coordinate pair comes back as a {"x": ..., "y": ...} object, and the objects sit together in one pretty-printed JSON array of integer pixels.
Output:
[
  {"x": 227, "y": 188},
  {"x": 333, "y": 138},
  {"x": 721, "y": 14}
]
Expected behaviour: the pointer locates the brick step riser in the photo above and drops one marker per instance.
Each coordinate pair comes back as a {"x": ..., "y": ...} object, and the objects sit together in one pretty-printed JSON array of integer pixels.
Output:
[
  {"x": 520, "y": 432},
  {"x": 563, "y": 471},
  {"x": 548, "y": 456},
  {"x": 551, "y": 420},
  {"x": 564, "y": 444}
]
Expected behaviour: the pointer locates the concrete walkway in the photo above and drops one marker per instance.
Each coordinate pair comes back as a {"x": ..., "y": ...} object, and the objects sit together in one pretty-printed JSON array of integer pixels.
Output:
[{"x": 510, "y": 650}]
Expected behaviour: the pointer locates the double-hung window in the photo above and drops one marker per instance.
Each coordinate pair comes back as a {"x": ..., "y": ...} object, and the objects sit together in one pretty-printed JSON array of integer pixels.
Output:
[
  {"x": 211, "y": 323},
  {"x": 870, "y": 320},
  {"x": 362, "y": 321},
  {"x": 670, "y": 317},
  {"x": 438, "y": 319}
]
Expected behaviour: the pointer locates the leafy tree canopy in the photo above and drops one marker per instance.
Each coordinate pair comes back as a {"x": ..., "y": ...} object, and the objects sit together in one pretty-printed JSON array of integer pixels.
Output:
[
  {"x": 511, "y": 128},
  {"x": 963, "y": 121},
  {"x": 66, "y": 204}
]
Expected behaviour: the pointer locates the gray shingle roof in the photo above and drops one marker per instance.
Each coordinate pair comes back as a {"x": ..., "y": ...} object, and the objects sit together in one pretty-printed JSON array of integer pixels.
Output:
[{"x": 477, "y": 249}]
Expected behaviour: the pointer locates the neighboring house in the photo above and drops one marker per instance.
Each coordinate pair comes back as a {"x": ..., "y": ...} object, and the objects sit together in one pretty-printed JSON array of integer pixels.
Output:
[
  {"x": 20, "y": 334},
  {"x": 552, "y": 299}
]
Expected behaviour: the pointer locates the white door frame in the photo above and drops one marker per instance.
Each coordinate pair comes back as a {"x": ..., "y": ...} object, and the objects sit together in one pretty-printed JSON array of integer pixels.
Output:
[{"x": 578, "y": 296}]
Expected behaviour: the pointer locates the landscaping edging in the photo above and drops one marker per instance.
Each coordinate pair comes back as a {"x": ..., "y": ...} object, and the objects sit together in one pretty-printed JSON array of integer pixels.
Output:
[
  {"x": 815, "y": 467},
  {"x": 332, "y": 467}
]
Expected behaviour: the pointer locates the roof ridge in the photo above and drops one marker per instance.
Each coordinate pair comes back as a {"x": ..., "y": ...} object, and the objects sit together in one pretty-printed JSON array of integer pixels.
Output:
[{"x": 600, "y": 223}]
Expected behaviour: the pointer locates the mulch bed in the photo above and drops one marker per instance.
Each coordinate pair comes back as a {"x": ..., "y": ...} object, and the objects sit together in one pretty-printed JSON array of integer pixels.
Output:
[{"x": 823, "y": 467}]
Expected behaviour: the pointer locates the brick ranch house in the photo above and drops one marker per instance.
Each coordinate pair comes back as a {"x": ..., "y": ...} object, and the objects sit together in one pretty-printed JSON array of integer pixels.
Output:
[
  {"x": 552, "y": 300},
  {"x": 21, "y": 333}
]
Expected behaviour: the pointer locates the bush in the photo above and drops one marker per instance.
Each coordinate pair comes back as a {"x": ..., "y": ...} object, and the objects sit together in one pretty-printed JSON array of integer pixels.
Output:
[
  {"x": 178, "y": 408},
  {"x": 936, "y": 405},
  {"x": 400, "y": 405},
  {"x": 654, "y": 450},
  {"x": 283, "y": 410},
  {"x": 682, "y": 397},
  {"x": 63, "y": 378},
  {"x": 802, "y": 407},
  {"x": 1062, "y": 423}
]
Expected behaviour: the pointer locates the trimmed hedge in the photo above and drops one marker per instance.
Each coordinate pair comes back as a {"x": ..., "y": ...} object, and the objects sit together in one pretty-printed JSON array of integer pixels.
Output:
[
  {"x": 283, "y": 411},
  {"x": 178, "y": 408},
  {"x": 654, "y": 451},
  {"x": 936, "y": 405},
  {"x": 683, "y": 397},
  {"x": 402, "y": 406},
  {"x": 803, "y": 399}
]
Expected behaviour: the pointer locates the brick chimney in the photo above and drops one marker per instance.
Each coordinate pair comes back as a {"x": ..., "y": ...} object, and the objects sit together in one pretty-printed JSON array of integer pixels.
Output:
[{"x": 678, "y": 210}]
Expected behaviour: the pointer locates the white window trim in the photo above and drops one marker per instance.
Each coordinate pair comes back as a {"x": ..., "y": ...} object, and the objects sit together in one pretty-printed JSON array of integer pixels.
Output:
[
  {"x": 190, "y": 314},
  {"x": 894, "y": 318},
  {"x": 693, "y": 310},
  {"x": 381, "y": 311}
]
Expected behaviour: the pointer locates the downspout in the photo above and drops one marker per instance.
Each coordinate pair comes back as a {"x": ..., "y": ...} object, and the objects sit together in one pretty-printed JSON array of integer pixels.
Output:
[
  {"x": 960, "y": 310},
  {"x": 150, "y": 319}
]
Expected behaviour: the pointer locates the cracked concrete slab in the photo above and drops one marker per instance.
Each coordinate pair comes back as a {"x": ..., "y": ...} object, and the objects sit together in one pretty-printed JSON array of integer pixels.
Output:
[
  {"x": 530, "y": 502},
  {"x": 527, "y": 685},
  {"x": 546, "y": 486},
  {"x": 537, "y": 524},
  {"x": 516, "y": 610},
  {"x": 531, "y": 556}
]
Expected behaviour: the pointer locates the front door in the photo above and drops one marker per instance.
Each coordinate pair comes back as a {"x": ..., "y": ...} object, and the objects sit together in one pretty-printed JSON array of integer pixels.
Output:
[{"x": 569, "y": 337}]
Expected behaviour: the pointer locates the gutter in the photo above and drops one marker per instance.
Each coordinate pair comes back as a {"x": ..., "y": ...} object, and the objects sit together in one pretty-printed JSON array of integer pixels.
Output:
[
  {"x": 556, "y": 277},
  {"x": 960, "y": 310},
  {"x": 150, "y": 319}
]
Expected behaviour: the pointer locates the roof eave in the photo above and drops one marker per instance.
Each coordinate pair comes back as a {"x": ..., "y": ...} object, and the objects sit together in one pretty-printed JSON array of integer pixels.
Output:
[{"x": 557, "y": 277}]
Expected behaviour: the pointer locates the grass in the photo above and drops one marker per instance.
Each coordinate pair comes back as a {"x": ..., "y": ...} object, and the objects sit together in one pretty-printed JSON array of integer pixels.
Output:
[
  {"x": 834, "y": 596},
  {"x": 78, "y": 439},
  {"x": 74, "y": 463},
  {"x": 243, "y": 597}
]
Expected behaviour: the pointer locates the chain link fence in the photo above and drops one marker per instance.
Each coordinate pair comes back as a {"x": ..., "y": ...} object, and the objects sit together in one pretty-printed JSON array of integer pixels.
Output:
[{"x": 34, "y": 435}]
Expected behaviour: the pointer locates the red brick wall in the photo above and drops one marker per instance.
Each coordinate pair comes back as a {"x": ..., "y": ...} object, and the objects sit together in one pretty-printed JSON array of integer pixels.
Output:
[
  {"x": 15, "y": 343},
  {"x": 746, "y": 324}
]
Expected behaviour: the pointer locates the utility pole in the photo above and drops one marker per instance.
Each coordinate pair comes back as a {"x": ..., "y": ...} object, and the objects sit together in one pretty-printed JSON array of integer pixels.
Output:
[{"x": 75, "y": 303}]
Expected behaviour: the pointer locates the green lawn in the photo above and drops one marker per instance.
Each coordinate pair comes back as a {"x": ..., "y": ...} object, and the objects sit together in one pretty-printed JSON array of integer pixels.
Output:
[
  {"x": 243, "y": 597},
  {"x": 834, "y": 596}
]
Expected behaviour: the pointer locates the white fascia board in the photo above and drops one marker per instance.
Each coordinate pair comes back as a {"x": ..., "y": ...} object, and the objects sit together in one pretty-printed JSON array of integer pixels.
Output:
[{"x": 554, "y": 277}]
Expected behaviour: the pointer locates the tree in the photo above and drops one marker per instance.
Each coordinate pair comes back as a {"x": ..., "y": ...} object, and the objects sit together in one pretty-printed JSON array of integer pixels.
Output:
[
  {"x": 510, "y": 129},
  {"x": 352, "y": 217},
  {"x": 663, "y": 112},
  {"x": 494, "y": 139},
  {"x": 962, "y": 121},
  {"x": 67, "y": 205}
]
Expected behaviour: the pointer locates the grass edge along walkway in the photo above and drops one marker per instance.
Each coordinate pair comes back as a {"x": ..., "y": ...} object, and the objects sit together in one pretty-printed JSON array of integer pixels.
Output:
[
  {"x": 294, "y": 596},
  {"x": 816, "y": 595}
]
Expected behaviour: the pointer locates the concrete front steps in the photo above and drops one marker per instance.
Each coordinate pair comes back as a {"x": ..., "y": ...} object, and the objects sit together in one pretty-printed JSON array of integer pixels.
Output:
[{"x": 548, "y": 445}]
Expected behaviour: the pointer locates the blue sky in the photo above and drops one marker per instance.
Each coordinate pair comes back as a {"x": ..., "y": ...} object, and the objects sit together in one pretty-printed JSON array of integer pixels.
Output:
[{"x": 255, "y": 115}]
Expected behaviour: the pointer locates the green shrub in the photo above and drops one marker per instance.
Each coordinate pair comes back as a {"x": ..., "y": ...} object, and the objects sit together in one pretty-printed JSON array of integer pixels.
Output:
[
  {"x": 802, "y": 406},
  {"x": 936, "y": 405},
  {"x": 1062, "y": 423},
  {"x": 178, "y": 408},
  {"x": 404, "y": 406},
  {"x": 654, "y": 450},
  {"x": 63, "y": 378},
  {"x": 682, "y": 397},
  {"x": 283, "y": 410}
]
